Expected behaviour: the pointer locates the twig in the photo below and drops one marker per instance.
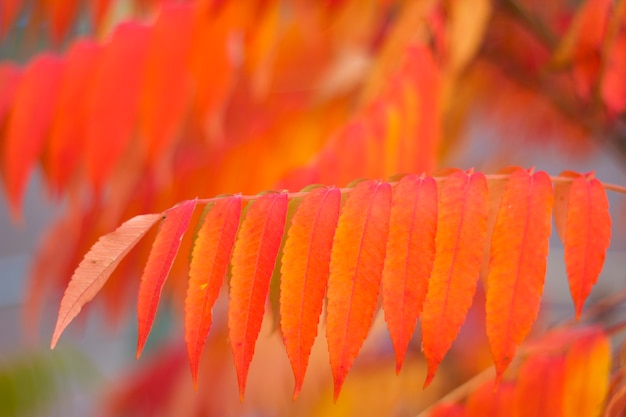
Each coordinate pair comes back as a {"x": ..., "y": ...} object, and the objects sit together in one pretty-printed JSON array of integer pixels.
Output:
[{"x": 534, "y": 25}]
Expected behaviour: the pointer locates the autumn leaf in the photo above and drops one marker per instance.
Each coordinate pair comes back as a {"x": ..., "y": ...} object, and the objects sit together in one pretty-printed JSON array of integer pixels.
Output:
[
  {"x": 164, "y": 250},
  {"x": 461, "y": 232},
  {"x": 356, "y": 267},
  {"x": 490, "y": 400},
  {"x": 65, "y": 146},
  {"x": 253, "y": 262},
  {"x": 113, "y": 101},
  {"x": 97, "y": 265},
  {"x": 587, "y": 368},
  {"x": 519, "y": 248},
  {"x": 165, "y": 83},
  {"x": 304, "y": 274},
  {"x": 584, "y": 224},
  {"x": 209, "y": 262},
  {"x": 547, "y": 372},
  {"x": 410, "y": 254},
  {"x": 28, "y": 123}
]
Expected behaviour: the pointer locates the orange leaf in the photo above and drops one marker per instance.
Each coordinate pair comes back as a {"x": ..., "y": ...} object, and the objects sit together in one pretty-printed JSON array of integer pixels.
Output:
[
  {"x": 462, "y": 218},
  {"x": 66, "y": 142},
  {"x": 356, "y": 267},
  {"x": 410, "y": 254},
  {"x": 253, "y": 262},
  {"x": 209, "y": 262},
  {"x": 164, "y": 250},
  {"x": 29, "y": 122},
  {"x": 165, "y": 84},
  {"x": 492, "y": 401},
  {"x": 97, "y": 266},
  {"x": 212, "y": 74},
  {"x": 586, "y": 235},
  {"x": 113, "y": 100},
  {"x": 519, "y": 248},
  {"x": 540, "y": 387},
  {"x": 304, "y": 274},
  {"x": 587, "y": 370}
]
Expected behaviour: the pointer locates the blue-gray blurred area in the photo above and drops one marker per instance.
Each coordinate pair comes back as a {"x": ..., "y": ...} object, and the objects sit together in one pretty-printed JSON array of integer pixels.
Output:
[{"x": 35, "y": 381}]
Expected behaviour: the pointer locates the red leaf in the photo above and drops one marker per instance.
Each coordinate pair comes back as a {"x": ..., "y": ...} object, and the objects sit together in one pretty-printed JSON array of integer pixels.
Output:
[
  {"x": 113, "y": 101},
  {"x": 164, "y": 250},
  {"x": 492, "y": 401},
  {"x": 540, "y": 387},
  {"x": 356, "y": 267},
  {"x": 97, "y": 266},
  {"x": 304, "y": 274},
  {"x": 165, "y": 84},
  {"x": 209, "y": 262},
  {"x": 463, "y": 209},
  {"x": 519, "y": 248},
  {"x": 253, "y": 261},
  {"x": 587, "y": 371},
  {"x": 586, "y": 233},
  {"x": 409, "y": 261},
  {"x": 29, "y": 122},
  {"x": 68, "y": 129}
]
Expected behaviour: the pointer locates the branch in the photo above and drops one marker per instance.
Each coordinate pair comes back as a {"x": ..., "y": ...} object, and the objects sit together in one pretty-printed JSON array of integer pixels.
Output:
[{"x": 530, "y": 22}]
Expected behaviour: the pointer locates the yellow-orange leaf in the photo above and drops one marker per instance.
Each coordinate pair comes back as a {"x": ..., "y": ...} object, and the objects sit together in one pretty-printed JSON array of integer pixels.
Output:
[
  {"x": 254, "y": 257},
  {"x": 409, "y": 260},
  {"x": 304, "y": 274},
  {"x": 162, "y": 254},
  {"x": 587, "y": 370},
  {"x": 98, "y": 265},
  {"x": 519, "y": 248},
  {"x": 539, "y": 391},
  {"x": 585, "y": 228},
  {"x": 492, "y": 401},
  {"x": 209, "y": 262},
  {"x": 462, "y": 218},
  {"x": 356, "y": 266}
]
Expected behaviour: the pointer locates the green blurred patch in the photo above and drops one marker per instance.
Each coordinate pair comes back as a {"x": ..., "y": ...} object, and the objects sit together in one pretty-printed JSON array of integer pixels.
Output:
[{"x": 32, "y": 383}]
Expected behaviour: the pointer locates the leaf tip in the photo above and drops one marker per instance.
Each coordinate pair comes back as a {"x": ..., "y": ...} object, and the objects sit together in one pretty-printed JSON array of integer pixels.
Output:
[
  {"x": 429, "y": 377},
  {"x": 56, "y": 335},
  {"x": 141, "y": 342},
  {"x": 399, "y": 362},
  {"x": 337, "y": 391},
  {"x": 296, "y": 390}
]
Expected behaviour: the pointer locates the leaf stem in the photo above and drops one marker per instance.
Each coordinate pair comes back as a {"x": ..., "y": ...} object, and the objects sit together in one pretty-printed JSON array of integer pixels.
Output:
[{"x": 494, "y": 177}]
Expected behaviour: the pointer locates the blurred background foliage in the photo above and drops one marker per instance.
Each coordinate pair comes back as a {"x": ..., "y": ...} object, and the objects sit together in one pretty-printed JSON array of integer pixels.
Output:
[{"x": 124, "y": 107}]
